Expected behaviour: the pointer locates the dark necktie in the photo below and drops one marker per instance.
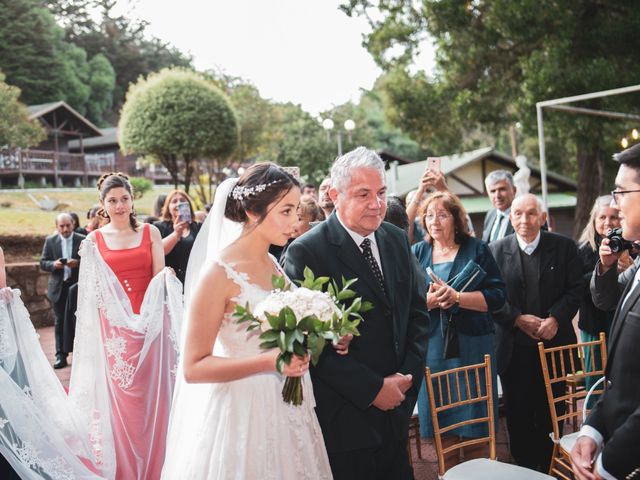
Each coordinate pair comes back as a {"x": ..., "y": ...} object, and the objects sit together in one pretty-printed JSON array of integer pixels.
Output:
[
  {"x": 373, "y": 264},
  {"x": 496, "y": 231}
]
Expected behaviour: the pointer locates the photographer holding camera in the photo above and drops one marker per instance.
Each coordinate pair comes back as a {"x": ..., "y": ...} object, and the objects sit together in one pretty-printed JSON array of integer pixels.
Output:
[
  {"x": 60, "y": 257},
  {"x": 608, "y": 446}
]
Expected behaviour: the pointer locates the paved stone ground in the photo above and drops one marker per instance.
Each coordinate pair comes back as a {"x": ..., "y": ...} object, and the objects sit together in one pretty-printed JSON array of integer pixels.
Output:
[{"x": 425, "y": 468}]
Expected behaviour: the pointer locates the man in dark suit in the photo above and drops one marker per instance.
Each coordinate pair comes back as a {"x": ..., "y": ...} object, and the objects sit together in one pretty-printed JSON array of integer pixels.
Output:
[
  {"x": 609, "y": 443},
  {"x": 365, "y": 398},
  {"x": 501, "y": 191},
  {"x": 60, "y": 257},
  {"x": 543, "y": 276}
]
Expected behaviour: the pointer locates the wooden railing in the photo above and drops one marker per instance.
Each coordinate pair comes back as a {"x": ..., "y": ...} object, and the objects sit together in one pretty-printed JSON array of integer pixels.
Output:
[{"x": 42, "y": 161}]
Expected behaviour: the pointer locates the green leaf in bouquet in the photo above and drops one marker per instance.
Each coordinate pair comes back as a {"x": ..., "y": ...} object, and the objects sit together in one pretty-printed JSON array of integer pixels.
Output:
[
  {"x": 298, "y": 349},
  {"x": 283, "y": 358},
  {"x": 345, "y": 294},
  {"x": 243, "y": 314},
  {"x": 289, "y": 318},
  {"x": 332, "y": 289},
  {"x": 298, "y": 335},
  {"x": 315, "y": 344},
  {"x": 282, "y": 341},
  {"x": 278, "y": 282},
  {"x": 306, "y": 324},
  {"x": 355, "y": 306},
  {"x": 268, "y": 345},
  {"x": 329, "y": 335},
  {"x": 347, "y": 283},
  {"x": 275, "y": 321},
  {"x": 319, "y": 283},
  {"x": 366, "y": 306},
  {"x": 269, "y": 336},
  {"x": 289, "y": 339}
]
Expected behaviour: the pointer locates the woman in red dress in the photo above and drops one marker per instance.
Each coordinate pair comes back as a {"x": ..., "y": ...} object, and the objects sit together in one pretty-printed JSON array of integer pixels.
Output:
[{"x": 136, "y": 339}]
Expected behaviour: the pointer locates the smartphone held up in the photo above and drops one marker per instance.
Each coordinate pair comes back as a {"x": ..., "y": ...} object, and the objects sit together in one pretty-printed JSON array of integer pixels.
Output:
[
  {"x": 184, "y": 212},
  {"x": 433, "y": 164}
]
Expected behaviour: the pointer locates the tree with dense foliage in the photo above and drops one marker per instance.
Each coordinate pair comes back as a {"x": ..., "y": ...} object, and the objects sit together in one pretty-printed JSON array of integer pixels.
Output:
[
  {"x": 295, "y": 138},
  {"x": 16, "y": 130},
  {"x": 178, "y": 117},
  {"x": 497, "y": 58},
  {"x": 254, "y": 114},
  {"x": 123, "y": 41},
  {"x": 36, "y": 58}
]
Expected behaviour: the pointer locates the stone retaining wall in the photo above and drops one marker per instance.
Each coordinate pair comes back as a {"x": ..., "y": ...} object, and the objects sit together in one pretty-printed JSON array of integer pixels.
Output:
[{"x": 32, "y": 283}]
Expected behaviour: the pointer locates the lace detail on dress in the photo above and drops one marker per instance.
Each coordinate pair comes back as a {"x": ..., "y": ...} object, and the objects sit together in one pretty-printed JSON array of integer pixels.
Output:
[
  {"x": 121, "y": 371},
  {"x": 56, "y": 468}
]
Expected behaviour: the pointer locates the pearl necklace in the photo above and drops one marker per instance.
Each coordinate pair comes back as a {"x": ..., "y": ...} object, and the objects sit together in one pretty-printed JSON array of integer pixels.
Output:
[{"x": 444, "y": 250}]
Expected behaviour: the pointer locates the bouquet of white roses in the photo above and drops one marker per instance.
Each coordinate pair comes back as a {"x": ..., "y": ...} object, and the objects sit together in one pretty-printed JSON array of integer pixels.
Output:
[{"x": 302, "y": 320}]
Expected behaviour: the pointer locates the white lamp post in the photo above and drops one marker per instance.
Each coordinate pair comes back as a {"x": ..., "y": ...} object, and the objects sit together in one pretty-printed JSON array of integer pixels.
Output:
[{"x": 349, "y": 126}]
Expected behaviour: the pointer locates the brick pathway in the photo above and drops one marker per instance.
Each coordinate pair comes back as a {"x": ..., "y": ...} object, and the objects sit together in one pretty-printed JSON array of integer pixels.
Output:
[{"x": 424, "y": 469}]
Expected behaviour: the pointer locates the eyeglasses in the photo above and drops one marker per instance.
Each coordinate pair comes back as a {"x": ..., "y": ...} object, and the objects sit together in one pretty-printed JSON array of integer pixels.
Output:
[
  {"x": 441, "y": 217},
  {"x": 620, "y": 192}
]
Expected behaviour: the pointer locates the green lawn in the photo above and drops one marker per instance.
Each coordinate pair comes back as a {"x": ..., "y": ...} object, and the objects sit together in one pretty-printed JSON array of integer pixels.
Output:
[{"x": 23, "y": 217}]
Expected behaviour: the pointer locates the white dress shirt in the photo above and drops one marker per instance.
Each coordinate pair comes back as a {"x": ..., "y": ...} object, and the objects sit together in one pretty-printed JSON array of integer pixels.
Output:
[
  {"x": 359, "y": 238},
  {"x": 528, "y": 248},
  {"x": 67, "y": 247}
]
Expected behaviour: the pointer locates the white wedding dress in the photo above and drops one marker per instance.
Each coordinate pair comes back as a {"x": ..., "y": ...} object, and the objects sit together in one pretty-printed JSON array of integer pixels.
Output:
[{"x": 240, "y": 429}]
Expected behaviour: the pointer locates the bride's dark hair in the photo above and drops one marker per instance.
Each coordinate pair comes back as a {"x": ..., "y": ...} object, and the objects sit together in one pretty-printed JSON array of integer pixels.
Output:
[{"x": 260, "y": 186}]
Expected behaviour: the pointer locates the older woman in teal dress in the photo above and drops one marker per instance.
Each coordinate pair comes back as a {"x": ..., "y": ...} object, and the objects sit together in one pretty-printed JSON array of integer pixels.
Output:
[{"x": 447, "y": 253}]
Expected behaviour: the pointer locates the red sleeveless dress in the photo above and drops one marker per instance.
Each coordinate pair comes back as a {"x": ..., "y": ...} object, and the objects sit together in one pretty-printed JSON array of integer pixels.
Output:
[
  {"x": 140, "y": 425},
  {"x": 132, "y": 266}
]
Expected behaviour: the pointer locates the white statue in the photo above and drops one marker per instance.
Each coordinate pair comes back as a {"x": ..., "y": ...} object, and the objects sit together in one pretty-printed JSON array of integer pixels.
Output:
[{"x": 521, "y": 177}]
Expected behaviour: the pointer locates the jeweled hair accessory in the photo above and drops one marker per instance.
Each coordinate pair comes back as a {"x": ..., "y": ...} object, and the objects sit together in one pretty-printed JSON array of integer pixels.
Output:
[{"x": 241, "y": 192}]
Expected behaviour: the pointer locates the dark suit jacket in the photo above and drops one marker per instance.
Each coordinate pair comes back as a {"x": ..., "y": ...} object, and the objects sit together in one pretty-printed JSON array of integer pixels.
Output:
[
  {"x": 393, "y": 337},
  {"x": 560, "y": 283},
  {"x": 489, "y": 220},
  {"x": 617, "y": 414},
  {"x": 51, "y": 252}
]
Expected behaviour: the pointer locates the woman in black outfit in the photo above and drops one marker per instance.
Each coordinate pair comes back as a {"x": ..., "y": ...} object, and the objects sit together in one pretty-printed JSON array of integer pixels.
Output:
[
  {"x": 592, "y": 320},
  {"x": 177, "y": 233}
]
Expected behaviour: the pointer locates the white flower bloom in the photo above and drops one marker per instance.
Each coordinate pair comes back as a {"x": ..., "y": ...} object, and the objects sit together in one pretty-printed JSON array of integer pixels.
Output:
[{"x": 303, "y": 301}]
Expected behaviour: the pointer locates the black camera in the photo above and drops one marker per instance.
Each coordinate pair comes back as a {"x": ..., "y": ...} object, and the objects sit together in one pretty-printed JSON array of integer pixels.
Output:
[{"x": 616, "y": 242}]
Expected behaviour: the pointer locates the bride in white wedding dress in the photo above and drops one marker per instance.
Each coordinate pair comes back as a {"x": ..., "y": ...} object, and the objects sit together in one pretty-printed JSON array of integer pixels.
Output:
[{"x": 228, "y": 419}]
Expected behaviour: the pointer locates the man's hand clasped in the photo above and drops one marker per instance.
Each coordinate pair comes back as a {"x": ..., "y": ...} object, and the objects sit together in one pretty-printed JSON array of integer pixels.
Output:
[
  {"x": 536, "y": 327},
  {"x": 393, "y": 390}
]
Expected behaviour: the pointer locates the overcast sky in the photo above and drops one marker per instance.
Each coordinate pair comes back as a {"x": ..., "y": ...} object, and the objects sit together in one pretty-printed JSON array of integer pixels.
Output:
[{"x": 304, "y": 51}]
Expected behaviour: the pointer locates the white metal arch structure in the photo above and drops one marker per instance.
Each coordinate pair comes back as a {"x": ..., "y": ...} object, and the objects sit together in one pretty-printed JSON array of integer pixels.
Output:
[{"x": 559, "y": 104}]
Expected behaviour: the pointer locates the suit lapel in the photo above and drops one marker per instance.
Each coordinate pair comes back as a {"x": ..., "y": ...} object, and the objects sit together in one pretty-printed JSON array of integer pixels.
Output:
[
  {"x": 621, "y": 314},
  {"x": 547, "y": 253},
  {"x": 75, "y": 245},
  {"x": 351, "y": 256},
  {"x": 57, "y": 246},
  {"x": 513, "y": 266},
  {"x": 491, "y": 218}
]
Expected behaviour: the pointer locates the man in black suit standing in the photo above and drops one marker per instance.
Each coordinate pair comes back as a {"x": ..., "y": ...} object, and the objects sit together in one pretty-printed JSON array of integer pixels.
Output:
[
  {"x": 543, "y": 276},
  {"x": 609, "y": 443},
  {"x": 365, "y": 398},
  {"x": 501, "y": 190},
  {"x": 60, "y": 257}
]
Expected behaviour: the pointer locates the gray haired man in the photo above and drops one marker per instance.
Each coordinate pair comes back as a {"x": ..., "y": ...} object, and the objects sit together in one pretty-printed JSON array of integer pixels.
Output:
[
  {"x": 365, "y": 399},
  {"x": 501, "y": 191}
]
